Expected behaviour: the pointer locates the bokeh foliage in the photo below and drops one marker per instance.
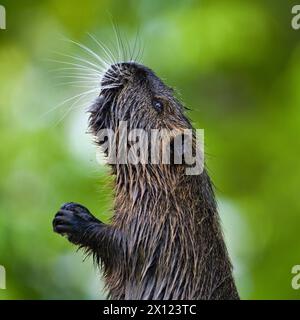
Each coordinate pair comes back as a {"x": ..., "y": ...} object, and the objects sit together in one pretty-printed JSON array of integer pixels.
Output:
[{"x": 236, "y": 64}]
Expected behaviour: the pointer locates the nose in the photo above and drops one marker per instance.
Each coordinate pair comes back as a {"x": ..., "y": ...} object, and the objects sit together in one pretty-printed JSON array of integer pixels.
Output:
[{"x": 118, "y": 73}]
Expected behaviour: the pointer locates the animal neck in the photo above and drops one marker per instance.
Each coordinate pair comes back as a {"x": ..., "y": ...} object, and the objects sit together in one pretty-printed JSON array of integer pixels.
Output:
[{"x": 159, "y": 191}]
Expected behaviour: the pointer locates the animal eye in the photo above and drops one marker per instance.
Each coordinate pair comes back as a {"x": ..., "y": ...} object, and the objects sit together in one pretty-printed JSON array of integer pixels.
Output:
[{"x": 158, "y": 105}]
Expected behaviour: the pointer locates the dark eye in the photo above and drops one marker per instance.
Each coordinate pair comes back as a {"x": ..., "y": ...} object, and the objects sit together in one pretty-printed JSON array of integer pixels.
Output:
[{"x": 158, "y": 105}]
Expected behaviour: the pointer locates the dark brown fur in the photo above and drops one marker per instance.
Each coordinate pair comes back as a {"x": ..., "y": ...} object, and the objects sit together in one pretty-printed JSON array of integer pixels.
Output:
[{"x": 164, "y": 240}]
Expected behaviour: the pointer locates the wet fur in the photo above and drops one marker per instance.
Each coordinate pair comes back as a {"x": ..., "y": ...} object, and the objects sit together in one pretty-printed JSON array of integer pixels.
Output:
[{"x": 164, "y": 240}]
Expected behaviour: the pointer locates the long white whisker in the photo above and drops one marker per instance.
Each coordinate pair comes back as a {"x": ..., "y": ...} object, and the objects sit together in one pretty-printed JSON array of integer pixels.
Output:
[
  {"x": 76, "y": 85},
  {"x": 134, "y": 46},
  {"x": 97, "y": 67},
  {"x": 128, "y": 49},
  {"x": 76, "y": 65},
  {"x": 76, "y": 69},
  {"x": 86, "y": 77},
  {"x": 111, "y": 86},
  {"x": 70, "y": 108},
  {"x": 79, "y": 76},
  {"x": 93, "y": 72},
  {"x": 86, "y": 83},
  {"x": 118, "y": 45},
  {"x": 104, "y": 48},
  {"x": 111, "y": 77},
  {"x": 139, "y": 44},
  {"x": 118, "y": 42},
  {"x": 91, "y": 52},
  {"x": 71, "y": 99}
]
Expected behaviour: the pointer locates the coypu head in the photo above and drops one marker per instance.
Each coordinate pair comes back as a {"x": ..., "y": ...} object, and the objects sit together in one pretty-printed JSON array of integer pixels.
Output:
[{"x": 131, "y": 93}]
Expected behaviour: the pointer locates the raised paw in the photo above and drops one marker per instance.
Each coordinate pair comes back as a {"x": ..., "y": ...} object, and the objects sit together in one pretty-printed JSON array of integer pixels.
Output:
[{"x": 73, "y": 220}]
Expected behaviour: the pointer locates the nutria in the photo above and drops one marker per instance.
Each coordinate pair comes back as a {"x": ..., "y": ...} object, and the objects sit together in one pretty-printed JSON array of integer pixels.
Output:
[{"x": 164, "y": 240}]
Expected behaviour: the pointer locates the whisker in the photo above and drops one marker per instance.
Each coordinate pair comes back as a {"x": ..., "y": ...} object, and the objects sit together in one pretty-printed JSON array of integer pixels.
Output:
[
  {"x": 87, "y": 70},
  {"x": 79, "y": 77},
  {"x": 73, "y": 85},
  {"x": 135, "y": 44},
  {"x": 99, "y": 71},
  {"x": 110, "y": 77},
  {"x": 142, "y": 53},
  {"x": 69, "y": 109},
  {"x": 70, "y": 99},
  {"x": 78, "y": 84},
  {"x": 91, "y": 52},
  {"x": 124, "y": 54},
  {"x": 119, "y": 44},
  {"x": 111, "y": 86},
  {"x": 81, "y": 60},
  {"x": 128, "y": 49},
  {"x": 118, "y": 41},
  {"x": 74, "y": 69},
  {"x": 106, "y": 50},
  {"x": 140, "y": 45}
]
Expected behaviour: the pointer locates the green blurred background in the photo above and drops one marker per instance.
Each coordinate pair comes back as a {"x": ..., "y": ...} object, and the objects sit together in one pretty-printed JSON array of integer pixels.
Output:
[{"x": 236, "y": 64}]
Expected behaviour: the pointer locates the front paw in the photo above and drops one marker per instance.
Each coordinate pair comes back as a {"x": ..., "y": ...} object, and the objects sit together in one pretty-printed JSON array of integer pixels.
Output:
[{"x": 73, "y": 220}]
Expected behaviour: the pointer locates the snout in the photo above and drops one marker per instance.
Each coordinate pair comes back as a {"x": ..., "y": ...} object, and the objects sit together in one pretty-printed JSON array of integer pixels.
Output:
[
  {"x": 119, "y": 73},
  {"x": 115, "y": 75}
]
